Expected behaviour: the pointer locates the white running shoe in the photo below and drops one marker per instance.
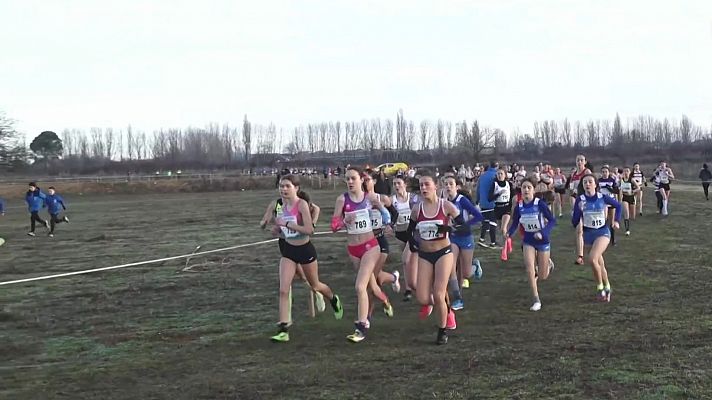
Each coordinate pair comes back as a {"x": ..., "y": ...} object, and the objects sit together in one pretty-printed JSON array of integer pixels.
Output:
[
  {"x": 536, "y": 306},
  {"x": 30, "y": 234},
  {"x": 320, "y": 304},
  {"x": 396, "y": 286},
  {"x": 627, "y": 233}
]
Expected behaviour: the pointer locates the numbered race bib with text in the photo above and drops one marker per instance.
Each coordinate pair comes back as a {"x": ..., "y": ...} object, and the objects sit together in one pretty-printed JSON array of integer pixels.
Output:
[
  {"x": 361, "y": 222},
  {"x": 594, "y": 219},
  {"x": 530, "y": 222}
]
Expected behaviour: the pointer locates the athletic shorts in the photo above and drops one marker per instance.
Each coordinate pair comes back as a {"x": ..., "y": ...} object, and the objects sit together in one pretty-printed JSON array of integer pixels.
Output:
[
  {"x": 402, "y": 236},
  {"x": 500, "y": 212},
  {"x": 629, "y": 198},
  {"x": 488, "y": 215},
  {"x": 358, "y": 250},
  {"x": 383, "y": 243},
  {"x": 665, "y": 186},
  {"x": 433, "y": 256},
  {"x": 590, "y": 235},
  {"x": 463, "y": 242},
  {"x": 561, "y": 191},
  {"x": 304, "y": 254},
  {"x": 538, "y": 246}
]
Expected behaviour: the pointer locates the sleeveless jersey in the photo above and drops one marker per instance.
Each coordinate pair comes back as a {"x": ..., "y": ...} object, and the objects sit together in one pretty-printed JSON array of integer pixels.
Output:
[
  {"x": 503, "y": 194},
  {"x": 607, "y": 185},
  {"x": 361, "y": 213},
  {"x": 403, "y": 208},
  {"x": 290, "y": 215},
  {"x": 627, "y": 186},
  {"x": 594, "y": 211},
  {"x": 638, "y": 177},
  {"x": 530, "y": 218},
  {"x": 576, "y": 178},
  {"x": 428, "y": 225}
]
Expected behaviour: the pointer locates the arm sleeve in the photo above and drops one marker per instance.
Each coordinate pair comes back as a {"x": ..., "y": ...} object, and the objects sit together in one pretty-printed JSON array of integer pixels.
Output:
[
  {"x": 613, "y": 203},
  {"x": 550, "y": 220},
  {"x": 474, "y": 212},
  {"x": 577, "y": 212},
  {"x": 515, "y": 222}
]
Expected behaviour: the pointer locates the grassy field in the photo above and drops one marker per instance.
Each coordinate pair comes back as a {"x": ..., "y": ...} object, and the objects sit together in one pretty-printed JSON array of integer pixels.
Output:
[{"x": 158, "y": 332}]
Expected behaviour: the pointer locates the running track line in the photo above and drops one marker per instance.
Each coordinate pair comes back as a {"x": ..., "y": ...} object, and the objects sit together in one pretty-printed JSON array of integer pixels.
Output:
[{"x": 134, "y": 264}]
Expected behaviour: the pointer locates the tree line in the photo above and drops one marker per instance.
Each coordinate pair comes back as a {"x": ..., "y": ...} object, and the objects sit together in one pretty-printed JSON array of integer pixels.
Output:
[{"x": 249, "y": 144}]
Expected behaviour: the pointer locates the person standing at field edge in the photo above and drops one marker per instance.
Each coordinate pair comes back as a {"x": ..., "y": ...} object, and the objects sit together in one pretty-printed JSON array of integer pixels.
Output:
[
  {"x": 53, "y": 201},
  {"x": 35, "y": 202},
  {"x": 706, "y": 177}
]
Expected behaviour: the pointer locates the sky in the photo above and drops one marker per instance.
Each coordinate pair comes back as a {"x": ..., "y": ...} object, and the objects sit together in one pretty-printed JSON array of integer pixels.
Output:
[{"x": 507, "y": 63}]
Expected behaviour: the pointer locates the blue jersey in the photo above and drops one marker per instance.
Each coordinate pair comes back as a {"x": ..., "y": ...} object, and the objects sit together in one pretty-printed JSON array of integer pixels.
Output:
[
  {"x": 35, "y": 200},
  {"x": 534, "y": 217},
  {"x": 55, "y": 203},
  {"x": 469, "y": 213},
  {"x": 593, "y": 210}
]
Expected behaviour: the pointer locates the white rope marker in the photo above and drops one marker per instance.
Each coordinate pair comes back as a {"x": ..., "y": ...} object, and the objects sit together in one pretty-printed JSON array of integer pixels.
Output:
[{"x": 135, "y": 264}]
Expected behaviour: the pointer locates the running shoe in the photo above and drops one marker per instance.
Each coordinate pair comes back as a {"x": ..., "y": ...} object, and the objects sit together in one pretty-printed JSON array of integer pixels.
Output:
[
  {"x": 30, "y": 234},
  {"x": 451, "y": 323},
  {"x": 407, "y": 295},
  {"x": 458, "y": 305},
  {"x": 281, "y": 337},
  {"x": 50, "y": 235},
  {"x": 65, "y": 219},
  {"x": 608, "y": 295},
  {"x": 359, "y": 333},
  {"x": 442, "y": 337},
  {"x": 627, "y": 233},
  {"x": 425, "y": 311},
  {"x": 601, "y": 295},
  {"x": 536, "y": 306},
  {"x": 388, "y": 309},
  {"x": 338, "y": 308},
  {"x": 478, "y": 271},
  {"x": 396, "y": 286}
]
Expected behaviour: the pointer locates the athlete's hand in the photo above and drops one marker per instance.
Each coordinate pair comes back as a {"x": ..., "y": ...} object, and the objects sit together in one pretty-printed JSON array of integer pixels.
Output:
[
  {"x": 616, "y": 225},
  {"x": 538, "y": 236}
]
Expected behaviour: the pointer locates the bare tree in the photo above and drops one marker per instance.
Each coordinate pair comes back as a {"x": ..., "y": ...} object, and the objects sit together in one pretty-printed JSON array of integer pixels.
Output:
[
  {"x": 247, "y": 137},
  {"x": 566, "y": 133},
  {"x": 424, "y": 135}
]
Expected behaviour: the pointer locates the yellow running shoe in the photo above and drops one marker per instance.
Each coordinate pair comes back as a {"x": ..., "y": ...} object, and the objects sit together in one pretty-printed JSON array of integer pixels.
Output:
[
  {"x": 281, "y": 337},
  {"x": 388, "y": 309}
]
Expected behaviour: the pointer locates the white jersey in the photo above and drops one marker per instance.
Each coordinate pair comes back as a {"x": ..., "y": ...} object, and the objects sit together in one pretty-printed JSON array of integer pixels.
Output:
[{"x": 404, "y": 210}]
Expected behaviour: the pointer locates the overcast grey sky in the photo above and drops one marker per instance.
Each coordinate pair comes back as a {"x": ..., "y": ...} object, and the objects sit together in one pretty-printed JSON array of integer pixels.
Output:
[{"x": 151, "y": 64}]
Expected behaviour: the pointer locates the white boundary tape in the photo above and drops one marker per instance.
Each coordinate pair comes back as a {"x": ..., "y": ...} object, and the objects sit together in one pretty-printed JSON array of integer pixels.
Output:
[{"x": 135, "y": 264}]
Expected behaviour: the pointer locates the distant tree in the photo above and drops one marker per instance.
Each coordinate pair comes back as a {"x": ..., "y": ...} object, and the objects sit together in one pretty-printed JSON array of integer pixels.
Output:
[
  {"x": 47, "y": 145},
  {"x": 247, "y": 137},
  {"x": 12, "y": 149}
]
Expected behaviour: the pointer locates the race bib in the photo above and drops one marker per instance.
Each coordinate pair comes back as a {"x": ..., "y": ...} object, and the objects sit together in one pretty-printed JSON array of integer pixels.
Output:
[
  {"x": 573, "y": 185},
  {"x": 376, "y": 219},
  {"x": 627, "y": 188},
  {"x": 530, "y": 222},
  {"x": 558, "y": 182},
  {"x": 361, "y": 222},
  {"x": 503, "y": 197},
  {"x": 429, "y": 230},
  {"x": 403, "y": 215},
  {"x": 287, "y": 232},
  {"x": 664, "y": 179},
  {"x": 594, "y": 219}
]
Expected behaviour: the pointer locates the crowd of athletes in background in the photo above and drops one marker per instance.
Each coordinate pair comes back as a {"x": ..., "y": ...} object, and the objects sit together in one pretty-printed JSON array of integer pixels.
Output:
[{"x": 431, "y": 214}]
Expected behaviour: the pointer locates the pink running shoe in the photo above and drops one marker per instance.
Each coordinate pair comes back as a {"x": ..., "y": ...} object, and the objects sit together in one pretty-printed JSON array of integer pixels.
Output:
[
  {"x": 425, "y": 312},
  {"x": 451, "y": 324}
]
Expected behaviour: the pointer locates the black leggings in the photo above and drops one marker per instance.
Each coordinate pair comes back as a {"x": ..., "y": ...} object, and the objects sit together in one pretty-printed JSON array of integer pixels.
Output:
[
  {"x": 706, "y": 188},
  {"x": 35, "y": 217},
  {"x": 54, "y": 219}
]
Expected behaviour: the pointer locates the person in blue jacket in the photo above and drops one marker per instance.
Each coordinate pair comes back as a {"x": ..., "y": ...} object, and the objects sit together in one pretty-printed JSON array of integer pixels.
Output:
[
  {"x": 53, "y": 201},
  {"x": 463, "y": 243},
  {"x": 536, "y": 221},
  {"x": 484, "y": 184},
  {"x": 35, "y": 202},
  {"x": 591, "y": 210}
]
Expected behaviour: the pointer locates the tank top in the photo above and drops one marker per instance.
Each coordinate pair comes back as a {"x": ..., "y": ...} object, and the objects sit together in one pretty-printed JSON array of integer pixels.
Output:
[
  {"x": 530, "y": 218},
  {"x": 361, "y": 213},
  {"x": 503, "y": 194},
  {"x": 291, "y": 216},
  {"x": 594, "y": 211},
  {"x": 664, "y": 177},
  {"x": 638, "y": 177},
  {"x": 559, "y": 181},
  {"x": 576, "y": 178},
  {"x": 428, "y": 226},
  {"x": 607, "y": 185},
  {"x": 627, "y": 186},
  {"x": 403, "y": 208}
]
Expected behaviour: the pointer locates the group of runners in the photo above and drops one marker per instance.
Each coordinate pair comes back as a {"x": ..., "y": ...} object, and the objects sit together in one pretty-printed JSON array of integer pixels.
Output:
[
  {"x": 432, "y": 218},
  {"x": 36, "y": 201}
]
